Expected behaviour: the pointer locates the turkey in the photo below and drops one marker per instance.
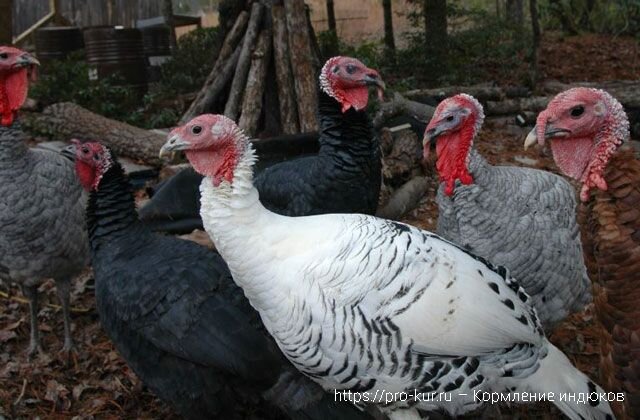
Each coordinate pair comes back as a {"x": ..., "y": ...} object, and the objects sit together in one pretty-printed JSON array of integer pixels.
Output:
[
  {"x": 586, "y": 129},
  {"x": 376, "y": 307},
  {"x": 521, "y": 218},
  {"x": 345, "y": 176},
  {"x": 175, "y": 315},
  {"x": 42, "y": 227}
]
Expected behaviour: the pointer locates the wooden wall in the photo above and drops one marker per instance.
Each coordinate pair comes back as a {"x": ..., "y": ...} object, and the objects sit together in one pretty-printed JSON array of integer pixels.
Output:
[{"x": 86, "y": 12}]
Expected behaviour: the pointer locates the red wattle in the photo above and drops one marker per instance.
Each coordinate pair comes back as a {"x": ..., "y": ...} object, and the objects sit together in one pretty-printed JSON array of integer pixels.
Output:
[
  {"x": 356, "y": 98},
  {"x": 86, "y": 175},
  {"x": 216, "y": 163},
  {"x": 572, "y": 155},
  {"x": 453, "y": 150},
  {"x": 13, "y": 93},
  {"x": 16, "y": 85}
]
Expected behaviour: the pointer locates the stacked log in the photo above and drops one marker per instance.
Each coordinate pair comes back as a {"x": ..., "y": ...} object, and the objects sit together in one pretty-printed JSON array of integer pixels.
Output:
[{"x": 255, "y": 53}]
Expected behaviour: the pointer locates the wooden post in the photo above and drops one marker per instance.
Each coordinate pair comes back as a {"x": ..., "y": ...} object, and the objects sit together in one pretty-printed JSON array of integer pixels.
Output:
[
  {"x": 232, "y": 109},
  {"x": 435, "y": 20},
  {"x": 254, "y": 92},
  {"x": 207, "y": 94},
  {"x": 284, "y": 77},
  {"x": 167, "y": 11},
  {"x": 302, "y": 64},
  {"x": 6, "y": 22}
]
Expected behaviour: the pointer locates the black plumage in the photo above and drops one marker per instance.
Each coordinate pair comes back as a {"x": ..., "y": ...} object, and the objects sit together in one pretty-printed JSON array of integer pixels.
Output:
[
  {"x": 344, "y": 177},
  {"x": 175, "y": 315}
]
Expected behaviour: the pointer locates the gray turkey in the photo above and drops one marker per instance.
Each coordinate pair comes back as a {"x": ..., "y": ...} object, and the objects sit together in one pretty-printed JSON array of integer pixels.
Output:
[
  {"x": 521, "y": 218},
  {"x": 42, "y": 227}
]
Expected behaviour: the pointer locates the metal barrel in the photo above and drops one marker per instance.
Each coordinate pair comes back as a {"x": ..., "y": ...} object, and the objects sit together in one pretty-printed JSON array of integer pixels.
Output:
[
  {"x": 56, "y": 42},
  {"x": 119, "y": 50}
]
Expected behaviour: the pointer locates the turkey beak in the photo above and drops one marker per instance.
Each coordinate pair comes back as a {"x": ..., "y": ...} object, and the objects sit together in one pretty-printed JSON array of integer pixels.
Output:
[
  {"x": 69, "y": 152},
  {"x": 532, "y": 138},
  {"x": 550, "y": 132},
  {"x": 428, "y": 141},
  {"x": 173, "y": 144},
  {"x": 373, "y": 79},
  {"x": 26, "y": 60}
]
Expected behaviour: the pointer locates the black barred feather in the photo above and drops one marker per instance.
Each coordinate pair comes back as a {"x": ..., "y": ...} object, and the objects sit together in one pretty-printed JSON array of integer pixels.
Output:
[{"x": 174, "y": 313}]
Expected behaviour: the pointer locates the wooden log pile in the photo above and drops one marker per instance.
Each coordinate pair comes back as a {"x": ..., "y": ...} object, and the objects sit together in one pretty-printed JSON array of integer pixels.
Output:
[
  {"x": 270, "y": 43},
  {"x": 511, "y": 101}
]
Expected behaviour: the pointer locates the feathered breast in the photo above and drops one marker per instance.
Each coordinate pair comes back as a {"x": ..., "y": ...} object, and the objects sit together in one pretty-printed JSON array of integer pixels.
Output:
[{"x": 612, "y": 238}]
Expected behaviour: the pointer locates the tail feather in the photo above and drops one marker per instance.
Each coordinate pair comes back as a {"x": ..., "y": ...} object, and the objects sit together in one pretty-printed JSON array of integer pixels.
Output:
[{"x": 556, "y": 374}]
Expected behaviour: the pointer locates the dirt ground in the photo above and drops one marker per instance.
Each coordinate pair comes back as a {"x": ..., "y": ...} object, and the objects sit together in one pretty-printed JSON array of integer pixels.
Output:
[{"x": 96, "y": 383}]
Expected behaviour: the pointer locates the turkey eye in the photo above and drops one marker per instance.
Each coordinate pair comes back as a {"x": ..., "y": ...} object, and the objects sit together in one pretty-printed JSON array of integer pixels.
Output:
[
  {"x": 4, "y": 56},
  {"x": 450, "y": 118},
  {"x": 351, "y": 68},
  {"x": 336, "y": 68},
  {"x": 577, "y": 111},
  {"x": 85, "y": 150},
  {"x": 96, "y": 157},
  {"x": 196, "y": 129}
]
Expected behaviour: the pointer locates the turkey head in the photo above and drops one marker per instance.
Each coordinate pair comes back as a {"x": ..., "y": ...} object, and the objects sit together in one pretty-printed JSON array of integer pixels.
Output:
[
  {"x": 15, "y": 66},
  {"x": 347, "y": 80},
  {"x": 454, "y": 125},
  {"x": 584, "y": 127},
  {"x": 212, "y": 143},
  {"x": 93, "y": 160}
]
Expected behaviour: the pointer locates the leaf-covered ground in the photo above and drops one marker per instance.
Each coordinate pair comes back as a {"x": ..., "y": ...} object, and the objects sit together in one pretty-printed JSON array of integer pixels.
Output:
[{"x": 96, "y": 383}]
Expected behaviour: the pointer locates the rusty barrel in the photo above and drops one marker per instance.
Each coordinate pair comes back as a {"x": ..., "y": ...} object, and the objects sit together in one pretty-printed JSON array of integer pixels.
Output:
[
  {"x": 112, "y": 50},
  {"x": 56, "y": 42}
]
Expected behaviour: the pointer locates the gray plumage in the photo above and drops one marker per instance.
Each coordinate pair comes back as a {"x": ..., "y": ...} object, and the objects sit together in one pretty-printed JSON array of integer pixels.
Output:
[
  {"x": 525, "y": 220},
  {"x": 42, "y": 226}
]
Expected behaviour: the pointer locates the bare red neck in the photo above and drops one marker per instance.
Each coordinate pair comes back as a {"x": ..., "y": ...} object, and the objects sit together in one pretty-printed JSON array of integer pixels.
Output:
[
  {"x": 453, "y": 156},
  {"x": 216, "y": 163},
  {"x": 13, "y": 93}
]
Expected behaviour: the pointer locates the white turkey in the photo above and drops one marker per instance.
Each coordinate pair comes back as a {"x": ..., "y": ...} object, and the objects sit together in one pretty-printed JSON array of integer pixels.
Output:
[{"x": 364, "y": 304}]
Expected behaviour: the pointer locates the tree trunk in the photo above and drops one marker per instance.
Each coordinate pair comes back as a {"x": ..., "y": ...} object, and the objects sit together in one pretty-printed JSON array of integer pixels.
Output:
[
  {"x": 515, "y": 12},
  {"x": 302, "y": 64},
  {"x": 389, "y": 41},
  {"x": 535, "y": 29},
  {"x": 284, "y": 77},
  {"x": 167, "y": 11},
  {"x": 331, "y": 16},
  {"x": 6, "y": 22},
  {"x": 67, "y": 120},
  {"x": 401, "y": 105},
  {"x": 207, "y": 95},
  {"x": 404, "y": 199},
  {"x": 557, "y": 9},
  {"x": 232, "y": 109},
  {"x": 253, "y": 94},
  {"x": 313, "y": 41},
  {"x": 435, "y": 20}
]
